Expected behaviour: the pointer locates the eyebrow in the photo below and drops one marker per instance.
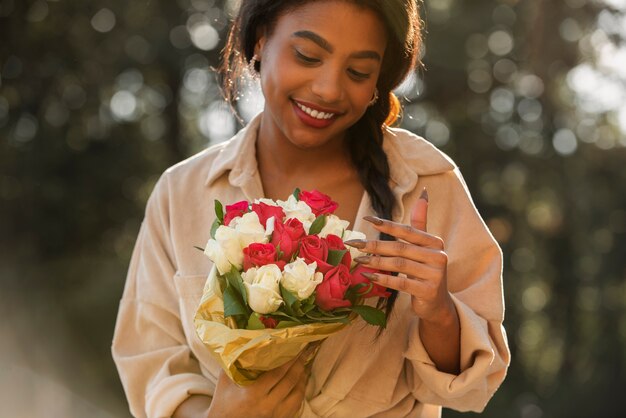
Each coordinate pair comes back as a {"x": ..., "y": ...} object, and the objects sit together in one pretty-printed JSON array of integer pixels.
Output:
[{"x": 323, "y": 43}]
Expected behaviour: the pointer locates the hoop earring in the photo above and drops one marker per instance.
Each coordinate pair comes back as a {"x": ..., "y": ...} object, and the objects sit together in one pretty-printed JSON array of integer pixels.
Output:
[
  {"x": 252, "y": 66},
  {"x": 374, "y": 98}
]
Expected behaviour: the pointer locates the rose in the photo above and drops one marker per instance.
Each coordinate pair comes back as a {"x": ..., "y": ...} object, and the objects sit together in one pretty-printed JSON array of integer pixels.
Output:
[
  {"x": 299, "y": 210},
  {"x": 262, "y": 288},
  {"x": 333, "y": 242},
  {"x": 265, "y": 211},
  {"x": 235, "y": 210},
  {"x": 268, "y": 322},
  {"x": 314, "y": 249},
  {"x": 357, "y": 278},
  {"x": 225, "y": 250},
  {"x": 257, "y": 255},
  {"x": 330, "y": 293},
  {"x": 300, "y": 278},
  {"x": 286, "y": 236},
  {"x": 249, "y": 228},
  {"x": 320, "y": 203},
  {"x": 354, "y": 252},
  {"x": 334, "y": 225}
]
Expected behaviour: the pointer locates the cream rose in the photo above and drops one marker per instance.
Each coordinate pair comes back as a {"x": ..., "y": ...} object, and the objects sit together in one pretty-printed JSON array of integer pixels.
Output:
[
  {"x": 262, "y": 288},
  {"x": 225, "y": 250},
  {"x": 334, "y": 225},
  {"x": 299, "y": 210},
  {"x": 300, "y": 278},
  {"x": 249, "y": 229},
  {"x": 348, "y": 235}
]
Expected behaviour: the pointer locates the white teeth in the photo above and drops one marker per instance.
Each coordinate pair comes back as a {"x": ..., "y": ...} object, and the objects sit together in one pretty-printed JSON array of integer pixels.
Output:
[{"x": 314, "y": 113}]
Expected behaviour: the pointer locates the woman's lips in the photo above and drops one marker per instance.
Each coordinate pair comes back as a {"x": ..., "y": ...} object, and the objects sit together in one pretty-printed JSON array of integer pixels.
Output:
[{"x": 327, "y": 119}]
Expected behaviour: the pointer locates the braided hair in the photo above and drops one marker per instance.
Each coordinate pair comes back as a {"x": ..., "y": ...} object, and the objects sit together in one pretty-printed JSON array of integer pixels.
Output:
[{"x": 365, "y": 137}]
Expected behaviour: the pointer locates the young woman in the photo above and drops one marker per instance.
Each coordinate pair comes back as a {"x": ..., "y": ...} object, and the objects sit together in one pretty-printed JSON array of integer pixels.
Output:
[{"x": 326, "y": 68}]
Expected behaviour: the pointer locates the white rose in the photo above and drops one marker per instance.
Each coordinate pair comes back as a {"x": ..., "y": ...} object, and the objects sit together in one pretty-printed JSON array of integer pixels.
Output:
[
  {"x": 300, "y": 278},
  {"x": 262, "y": 287},
  {"x": 299, "y": 210},
  {"x": 214, "y": 251},
  {"x": 348, "y": 235},
  {"x": 249, "y": 228},
  {"x": 334, "y": 225},
  {"x": 225, "y": 250},
  {"x": 266, "y": 201}
]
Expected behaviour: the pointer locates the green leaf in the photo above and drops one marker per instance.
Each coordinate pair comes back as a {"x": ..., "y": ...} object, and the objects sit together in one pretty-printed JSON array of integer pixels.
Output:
[
  {"x": 353, "y": 293},
  {"x": 371, "y": 315},
  {"x": 287, "y": 324},
  {"x": 289, "y": 298},
  {"x": 233, "y": 305},
  {"x": 335, "y": 257},
  {"x": 254, "y": 322},
  {"x": 236, "y": 281},
  {"x": 219, "y": 211},
  {"x": 317, "y": 225},
  {"x": 216, "y": 224},
  {"x": 296, "y": 193}
]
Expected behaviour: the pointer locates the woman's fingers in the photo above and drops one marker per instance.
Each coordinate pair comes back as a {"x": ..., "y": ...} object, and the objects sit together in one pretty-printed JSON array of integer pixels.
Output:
[
  {"x": 400, "y": 249},
  {"x": 419, "y": 271},
  {"x": 406, "y": 232},
  {"x": 293, "y": 376}
]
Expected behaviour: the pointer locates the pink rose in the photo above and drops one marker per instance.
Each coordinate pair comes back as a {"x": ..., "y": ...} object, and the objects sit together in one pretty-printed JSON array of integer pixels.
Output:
[
  {"x": 286, "y": 237},
  {"x": 357, "y": 278},
  {"x": 313, "y": 248},
  {"x": 257, "y": 255},
  {"x": 320, "y": 203},
  {"x": 266, "y": 211},
  {"x": 330, "y": 293},
  {"x": 234, "y": 210},
  {"x": 333, "y": 242}
]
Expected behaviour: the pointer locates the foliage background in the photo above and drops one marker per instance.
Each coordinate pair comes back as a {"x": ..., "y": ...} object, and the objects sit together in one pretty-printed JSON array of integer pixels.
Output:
[{"x": 97, "y": 98}]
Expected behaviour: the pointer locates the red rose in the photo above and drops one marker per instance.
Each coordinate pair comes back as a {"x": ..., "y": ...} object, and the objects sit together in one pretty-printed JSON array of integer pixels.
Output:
[
  {"x": 333, "y": 242},
  {"x": 357, "y": 278},
  {"x": 234, "y": 210},
  {"x": 266, "y": 211},
  {"x": 268, "y": 322},
  {"x": 319, "y": 202},
  {"x": 330, "y": 293},
  {"x": 313, "y": 248},
  {"x": 286, "y": 236},
  {"x": 257, "y": 255}
]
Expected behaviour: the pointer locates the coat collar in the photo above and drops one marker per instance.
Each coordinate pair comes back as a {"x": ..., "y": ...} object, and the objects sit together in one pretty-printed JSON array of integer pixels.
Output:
[{"x": 410, "y": 157}]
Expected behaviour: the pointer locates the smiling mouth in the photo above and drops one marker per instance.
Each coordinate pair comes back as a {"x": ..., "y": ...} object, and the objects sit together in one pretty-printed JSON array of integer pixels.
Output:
[{"x": 315, "y": 113}]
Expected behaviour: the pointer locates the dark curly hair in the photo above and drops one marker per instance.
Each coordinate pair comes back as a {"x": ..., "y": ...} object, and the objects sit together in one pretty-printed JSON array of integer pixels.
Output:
[{"x": 365, "y": 137}]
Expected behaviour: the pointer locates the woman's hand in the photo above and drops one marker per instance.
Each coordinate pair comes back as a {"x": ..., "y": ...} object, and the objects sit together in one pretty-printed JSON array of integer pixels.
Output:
[
  {"x": 277, "y": 393},
  {"x": 422, "y": 261}
]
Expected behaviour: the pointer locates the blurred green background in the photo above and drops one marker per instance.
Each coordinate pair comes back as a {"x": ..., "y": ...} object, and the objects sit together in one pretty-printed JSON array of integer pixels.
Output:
[{"x": 98, "y": 97}]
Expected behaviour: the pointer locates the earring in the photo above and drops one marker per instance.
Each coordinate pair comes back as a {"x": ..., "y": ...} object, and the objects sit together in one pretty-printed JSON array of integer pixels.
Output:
[
  {"x": 374, "y": 98},
  {"x": 252, "y": 66}
]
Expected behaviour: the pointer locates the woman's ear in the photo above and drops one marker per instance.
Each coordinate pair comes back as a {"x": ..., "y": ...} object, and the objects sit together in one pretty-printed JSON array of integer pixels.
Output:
[{"x": 261, "y": 38}]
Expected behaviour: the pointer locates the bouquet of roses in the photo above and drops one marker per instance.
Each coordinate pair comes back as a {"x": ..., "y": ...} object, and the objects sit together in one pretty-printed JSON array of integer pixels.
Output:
[{"x": 282, "y": 278}]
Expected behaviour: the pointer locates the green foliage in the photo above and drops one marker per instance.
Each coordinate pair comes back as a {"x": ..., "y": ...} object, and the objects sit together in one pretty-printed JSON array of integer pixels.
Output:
[{"x": 318, "y": 225}]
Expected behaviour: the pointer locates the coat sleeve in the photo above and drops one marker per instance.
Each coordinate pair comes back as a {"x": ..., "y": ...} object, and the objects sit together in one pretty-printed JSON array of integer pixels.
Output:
[
  {"x": 149, "y": 348},
  {"x": 475, "y": 283}
]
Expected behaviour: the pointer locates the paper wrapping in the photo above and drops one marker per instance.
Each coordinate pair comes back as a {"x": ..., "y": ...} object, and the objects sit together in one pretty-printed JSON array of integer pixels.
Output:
[{"x": 245, "y": 354}]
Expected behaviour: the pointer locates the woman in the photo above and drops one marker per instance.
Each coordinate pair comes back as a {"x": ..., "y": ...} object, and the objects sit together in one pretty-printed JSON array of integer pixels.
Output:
[{"x": 326, "y": 68}]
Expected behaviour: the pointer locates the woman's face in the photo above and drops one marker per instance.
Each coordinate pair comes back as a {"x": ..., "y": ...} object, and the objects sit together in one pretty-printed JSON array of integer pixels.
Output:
[{"x": 319, "y": 68}]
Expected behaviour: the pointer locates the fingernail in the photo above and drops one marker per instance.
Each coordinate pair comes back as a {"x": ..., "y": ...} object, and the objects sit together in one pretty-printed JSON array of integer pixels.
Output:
[
  {"x": 373, "y": 219},
  {"x": 371, "y": 276},
  {"x": 356, "y": 243},
  {"x": 424, "y": 194},
  {"x": 363, "y": 259}
]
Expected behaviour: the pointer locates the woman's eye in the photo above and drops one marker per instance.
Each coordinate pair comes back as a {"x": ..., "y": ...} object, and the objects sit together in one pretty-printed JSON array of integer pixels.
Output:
[
  {"x": 306, "y": 59},
  {"x": 357, "y": 75}
]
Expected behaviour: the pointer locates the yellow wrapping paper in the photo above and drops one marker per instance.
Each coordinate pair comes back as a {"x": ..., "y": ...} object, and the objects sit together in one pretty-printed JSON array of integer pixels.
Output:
[{"x": 245, "y": 354}]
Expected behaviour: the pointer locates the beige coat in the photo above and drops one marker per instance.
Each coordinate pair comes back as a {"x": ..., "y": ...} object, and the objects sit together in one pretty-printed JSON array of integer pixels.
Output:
[{"x": 161, "y": 361}]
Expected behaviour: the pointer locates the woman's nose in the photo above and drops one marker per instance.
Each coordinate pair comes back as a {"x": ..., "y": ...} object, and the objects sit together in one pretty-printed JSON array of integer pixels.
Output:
[{"x": 328, "y": 85}]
